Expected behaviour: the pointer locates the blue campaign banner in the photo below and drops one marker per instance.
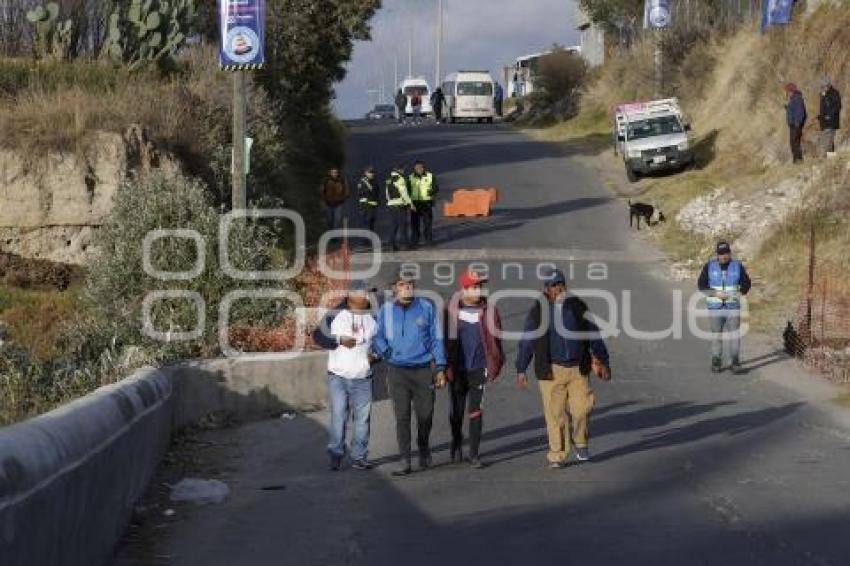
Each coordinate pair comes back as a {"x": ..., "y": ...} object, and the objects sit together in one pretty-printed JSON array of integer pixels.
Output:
[
  {"x": 242, "y": 26},
  {"x": 775, "y": 12},
  {"x": 656, "y": 14}
]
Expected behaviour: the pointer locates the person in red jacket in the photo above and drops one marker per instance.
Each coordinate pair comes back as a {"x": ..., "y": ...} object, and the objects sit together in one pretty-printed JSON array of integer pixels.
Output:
[{"x": 474, "y": 356}]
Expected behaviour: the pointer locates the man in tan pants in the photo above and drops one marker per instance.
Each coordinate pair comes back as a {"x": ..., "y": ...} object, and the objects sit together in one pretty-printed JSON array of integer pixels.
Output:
[{"x": 563, "y": 355}]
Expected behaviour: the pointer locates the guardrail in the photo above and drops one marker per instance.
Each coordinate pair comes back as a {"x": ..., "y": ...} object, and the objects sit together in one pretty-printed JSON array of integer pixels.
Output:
[{"x": 69, "y": 479}]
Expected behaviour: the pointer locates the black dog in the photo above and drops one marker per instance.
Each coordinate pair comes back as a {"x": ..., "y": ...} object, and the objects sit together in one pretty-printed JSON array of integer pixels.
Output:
[{"x": 640, "y": 210}]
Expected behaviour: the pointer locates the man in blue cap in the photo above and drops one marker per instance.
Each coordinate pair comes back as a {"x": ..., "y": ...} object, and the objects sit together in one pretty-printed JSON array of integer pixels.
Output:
[
  {"x": 724, "y": 281},
  {"x": 564, "y": 354},
  {"x": 410, "y": 340}
]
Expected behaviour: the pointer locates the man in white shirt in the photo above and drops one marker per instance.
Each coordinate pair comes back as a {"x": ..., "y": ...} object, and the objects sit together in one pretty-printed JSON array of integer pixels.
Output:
[{"x": 347, "y": 333}]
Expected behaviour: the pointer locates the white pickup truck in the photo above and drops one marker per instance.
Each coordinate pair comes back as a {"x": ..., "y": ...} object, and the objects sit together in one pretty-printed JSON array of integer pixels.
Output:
[{"x": 652, "y": 136}]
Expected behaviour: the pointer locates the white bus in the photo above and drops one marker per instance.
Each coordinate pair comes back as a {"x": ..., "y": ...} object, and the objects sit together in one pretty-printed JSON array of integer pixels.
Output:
[{"x": 469, "y": 96}]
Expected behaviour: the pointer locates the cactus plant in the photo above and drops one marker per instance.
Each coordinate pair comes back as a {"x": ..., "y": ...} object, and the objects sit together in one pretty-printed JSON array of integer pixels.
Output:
[
  {"x": 147, "y": 30},
  {"x": 52, "y": 38}
]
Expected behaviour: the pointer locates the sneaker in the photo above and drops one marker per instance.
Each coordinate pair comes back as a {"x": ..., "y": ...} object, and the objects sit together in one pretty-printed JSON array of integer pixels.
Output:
[
  {"x": 456, "y": 454},
  {"x": 716, "y": 365},
  {"x": 476, "y": 464},
  {"x": 556, "y": 465},
  {"x": 403, "y": 470},
  {"x": 335, "y": 463},
  {"x": 425, "y": 462},
  {"x": 361, "y": 465},
  {"x": 582, "y": 454},
  {"x": 736, "y": 367}
]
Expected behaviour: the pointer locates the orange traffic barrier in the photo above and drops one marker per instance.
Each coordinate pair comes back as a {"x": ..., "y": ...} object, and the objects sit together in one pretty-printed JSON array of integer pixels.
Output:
[{"x": 471, "y": 202}]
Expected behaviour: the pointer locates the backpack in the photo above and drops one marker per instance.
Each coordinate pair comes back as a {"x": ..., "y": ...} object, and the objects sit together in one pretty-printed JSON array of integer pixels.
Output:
[{"x": 416, "y": 100}]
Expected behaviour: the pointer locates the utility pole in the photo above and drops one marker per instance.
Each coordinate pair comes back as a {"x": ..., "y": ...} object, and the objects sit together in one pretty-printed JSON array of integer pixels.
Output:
[
  {"x": 395, "y": 74},
  {"x": 438, "y": 74},
  {"x": 659, "y": 64},
  {"x": 410, "y": 52},
  {"x": 239, "y": 183}
]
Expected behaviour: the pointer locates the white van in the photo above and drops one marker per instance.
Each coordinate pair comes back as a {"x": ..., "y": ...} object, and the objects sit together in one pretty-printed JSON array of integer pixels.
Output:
[
  {"x": 411, "y": 86},
  {"x": 469, "y": 96}
]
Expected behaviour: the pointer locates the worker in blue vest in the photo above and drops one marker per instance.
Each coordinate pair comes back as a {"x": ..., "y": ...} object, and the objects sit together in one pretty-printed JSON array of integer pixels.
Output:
[{"x": 724, "y": 281}]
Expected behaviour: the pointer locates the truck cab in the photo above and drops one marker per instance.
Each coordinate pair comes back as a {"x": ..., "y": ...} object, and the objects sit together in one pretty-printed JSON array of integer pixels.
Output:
[{"x": 652, "y": 136}]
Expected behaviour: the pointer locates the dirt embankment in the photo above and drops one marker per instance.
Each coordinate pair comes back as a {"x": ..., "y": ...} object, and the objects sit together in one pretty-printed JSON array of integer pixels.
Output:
[{"x": 52, "y": 205}]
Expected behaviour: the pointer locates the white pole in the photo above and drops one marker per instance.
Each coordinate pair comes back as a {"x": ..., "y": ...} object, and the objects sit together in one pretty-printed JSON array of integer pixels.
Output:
[
  {"x": 659, "y": 65},
  {"x": 438, "y": 73},
  {"x": 410, "y": 52}
]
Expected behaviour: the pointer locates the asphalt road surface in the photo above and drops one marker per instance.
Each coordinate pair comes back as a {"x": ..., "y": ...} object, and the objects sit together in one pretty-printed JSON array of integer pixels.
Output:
[{"x": 688, "y": 467}]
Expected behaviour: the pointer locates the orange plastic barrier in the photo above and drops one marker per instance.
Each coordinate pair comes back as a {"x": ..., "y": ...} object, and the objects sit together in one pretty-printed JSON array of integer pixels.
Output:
[{"x": 471, "y": 202}]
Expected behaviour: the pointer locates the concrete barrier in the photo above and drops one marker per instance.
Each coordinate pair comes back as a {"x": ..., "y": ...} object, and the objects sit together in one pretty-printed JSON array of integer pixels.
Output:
[
  {"x": 69, "y": 478},
  {"x": 248, "y": 389}
]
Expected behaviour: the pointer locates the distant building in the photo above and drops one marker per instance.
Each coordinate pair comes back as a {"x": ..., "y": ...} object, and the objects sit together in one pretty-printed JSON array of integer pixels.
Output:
[
  {"x": 519, "y": 78},
  {"x": 592, "y": 40}
]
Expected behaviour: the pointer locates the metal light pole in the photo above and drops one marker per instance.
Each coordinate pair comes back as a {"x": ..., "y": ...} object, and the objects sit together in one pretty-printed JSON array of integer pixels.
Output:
[
  {"x": 239, "y": 200},
  {"x": 410, "y": 52},
  {"x": 438, "y": 73},
  {"x": 659, "y": 64}
]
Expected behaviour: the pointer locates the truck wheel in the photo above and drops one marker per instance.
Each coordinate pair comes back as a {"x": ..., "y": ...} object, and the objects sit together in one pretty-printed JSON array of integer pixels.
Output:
[{"x": 632, "y": 175}]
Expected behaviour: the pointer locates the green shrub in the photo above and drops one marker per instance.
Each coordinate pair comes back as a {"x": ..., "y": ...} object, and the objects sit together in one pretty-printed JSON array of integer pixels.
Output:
[
  {"x": 117, "y": 284},
  {"x": 559, "y": 74}
]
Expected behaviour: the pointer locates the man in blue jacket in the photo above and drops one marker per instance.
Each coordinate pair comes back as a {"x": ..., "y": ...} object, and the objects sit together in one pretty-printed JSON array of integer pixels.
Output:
[
  {"x": 795, "y": 115},
  {"x": 410, "y": 340},
  {"x": 564, "y": 354}
]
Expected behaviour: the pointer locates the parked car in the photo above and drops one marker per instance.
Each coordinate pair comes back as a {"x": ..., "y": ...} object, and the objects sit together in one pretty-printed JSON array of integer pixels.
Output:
[
  {"x": 381, "y": 112},
  {"x": 652, "y": 136}
]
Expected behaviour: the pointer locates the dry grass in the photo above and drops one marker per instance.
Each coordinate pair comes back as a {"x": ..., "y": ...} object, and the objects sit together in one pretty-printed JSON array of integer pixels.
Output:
[
  {"x": 735, "y": 102},
  {"x": 174, "y": 109},
  {"x": 35, "y": 318}
]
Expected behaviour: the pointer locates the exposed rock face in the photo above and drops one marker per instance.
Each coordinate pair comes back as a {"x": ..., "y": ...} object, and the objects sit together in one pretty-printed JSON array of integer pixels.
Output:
[
  {"x": 50, "y": 206},
  {"x": 750, "y": 221}
]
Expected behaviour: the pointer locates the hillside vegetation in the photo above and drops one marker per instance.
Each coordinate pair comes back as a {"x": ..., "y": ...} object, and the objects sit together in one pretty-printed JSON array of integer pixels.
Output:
[
  {"x": 730, "y": 85},
  {"x": 59, "y": 92}
]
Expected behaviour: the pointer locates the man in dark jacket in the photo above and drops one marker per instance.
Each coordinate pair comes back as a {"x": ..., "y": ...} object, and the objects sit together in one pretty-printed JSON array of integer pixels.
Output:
[
  {"x": 474, "y": 357},
  {"x": 334, "y": 192},
  {"x": 401, "y": 105},
  {"x": 367, "y": 198},
  {"x": 830, "y": 114},
  {"x": 795, "y": 115},
  {"x": 410, "y": 340},
  {"x": 724, "y": 281},
  {"x": 437, "y": 100},
  {"x": 563, "y": 357}
]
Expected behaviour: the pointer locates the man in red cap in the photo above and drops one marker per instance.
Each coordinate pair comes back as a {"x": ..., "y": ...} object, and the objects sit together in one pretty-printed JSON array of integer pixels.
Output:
[{"x": 474, "y": 356}]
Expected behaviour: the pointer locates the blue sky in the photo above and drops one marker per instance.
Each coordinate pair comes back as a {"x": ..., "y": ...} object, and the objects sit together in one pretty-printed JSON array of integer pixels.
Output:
[{"x": 479, "y": 34}]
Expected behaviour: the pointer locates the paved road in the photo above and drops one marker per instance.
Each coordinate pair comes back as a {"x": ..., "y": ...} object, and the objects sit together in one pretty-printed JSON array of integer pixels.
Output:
[{"x": 689, "y": 468}]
